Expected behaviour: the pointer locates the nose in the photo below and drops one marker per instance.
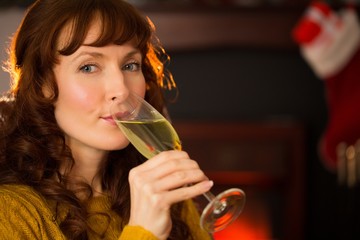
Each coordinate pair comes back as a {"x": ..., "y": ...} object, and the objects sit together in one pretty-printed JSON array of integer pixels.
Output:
[
  {"x": 120, "y": 96},
  {"x": 117, "y": 88}
]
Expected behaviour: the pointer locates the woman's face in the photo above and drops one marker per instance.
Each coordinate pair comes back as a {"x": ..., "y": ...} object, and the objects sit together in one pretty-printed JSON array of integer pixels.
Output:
[{"x": 88, "y": 80}]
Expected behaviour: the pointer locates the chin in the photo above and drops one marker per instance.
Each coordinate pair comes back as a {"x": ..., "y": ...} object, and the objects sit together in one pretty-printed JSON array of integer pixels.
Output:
[{"x": 116, "y": 146}]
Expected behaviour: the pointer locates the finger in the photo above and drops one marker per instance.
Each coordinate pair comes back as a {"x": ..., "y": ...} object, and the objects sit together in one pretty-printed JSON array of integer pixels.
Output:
[
  {"x": 179, "y": 179},
  {"x": 174, "y": 165},
  {"x": 161, "y": 158},
  {"x": 169, "y": 175},
  {"x": 185, "y": 192},
  {"x": 171, "y": 163}
]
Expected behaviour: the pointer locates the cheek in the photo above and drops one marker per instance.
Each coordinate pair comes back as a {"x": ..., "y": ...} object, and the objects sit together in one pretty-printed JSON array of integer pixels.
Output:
[
  {"x": 77, "y": 96},
  {"x": 139, "y": 88}
]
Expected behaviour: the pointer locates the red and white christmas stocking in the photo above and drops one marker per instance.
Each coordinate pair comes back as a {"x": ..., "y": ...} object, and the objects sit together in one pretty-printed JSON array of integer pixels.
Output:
[{"x": 330, "y": 42}]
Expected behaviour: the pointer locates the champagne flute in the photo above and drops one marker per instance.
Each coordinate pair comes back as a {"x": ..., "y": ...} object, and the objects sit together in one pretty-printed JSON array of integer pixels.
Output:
[{"x": 151, "y": 133}]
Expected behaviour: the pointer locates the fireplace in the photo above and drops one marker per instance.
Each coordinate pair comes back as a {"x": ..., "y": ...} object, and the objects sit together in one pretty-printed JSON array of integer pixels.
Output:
[{"x": 266, "y": 160}]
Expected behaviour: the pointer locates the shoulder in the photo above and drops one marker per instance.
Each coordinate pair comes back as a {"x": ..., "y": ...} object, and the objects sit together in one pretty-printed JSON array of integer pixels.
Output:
[
  {"x": 24, "y": 200},
  {"x": 21, "y": 193},
  {"x": 26, "y": 215},
  {"x": 15, "y": 189}
]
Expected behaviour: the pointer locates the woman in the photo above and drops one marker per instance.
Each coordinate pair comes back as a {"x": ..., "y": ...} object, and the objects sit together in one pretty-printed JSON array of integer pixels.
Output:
[{"x": 66, "y": 171}]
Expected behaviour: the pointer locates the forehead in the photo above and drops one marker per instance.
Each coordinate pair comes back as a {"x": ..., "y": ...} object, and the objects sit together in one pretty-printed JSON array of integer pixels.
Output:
[{"x": 66, "y": 34}]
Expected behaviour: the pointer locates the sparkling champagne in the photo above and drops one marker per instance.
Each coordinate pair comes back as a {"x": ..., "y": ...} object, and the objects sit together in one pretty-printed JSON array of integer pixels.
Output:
[
  {"x": 151, "y": 137},
  {"x": 151, "y": 134}
]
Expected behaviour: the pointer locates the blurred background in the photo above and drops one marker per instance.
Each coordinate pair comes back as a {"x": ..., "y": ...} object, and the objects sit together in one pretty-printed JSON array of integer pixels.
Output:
[{"x": 250, "y": 109}]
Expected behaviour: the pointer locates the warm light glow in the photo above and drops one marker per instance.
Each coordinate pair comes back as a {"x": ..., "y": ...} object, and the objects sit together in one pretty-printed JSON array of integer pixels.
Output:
[
  {"x": 252, "y": 224},
  {"x": 244, "y": 230}
]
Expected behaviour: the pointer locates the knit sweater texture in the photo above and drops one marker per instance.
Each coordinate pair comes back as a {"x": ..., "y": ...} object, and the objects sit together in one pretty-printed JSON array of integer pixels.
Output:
[{"x": 24, "y": 214}]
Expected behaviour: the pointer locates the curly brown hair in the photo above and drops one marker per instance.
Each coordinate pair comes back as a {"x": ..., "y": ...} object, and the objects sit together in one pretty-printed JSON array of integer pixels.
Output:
[{"x": 32, "y": 144}]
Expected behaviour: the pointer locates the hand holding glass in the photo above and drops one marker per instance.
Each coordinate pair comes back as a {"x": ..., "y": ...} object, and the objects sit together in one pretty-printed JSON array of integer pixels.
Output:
[{"x": 151, "y": 134}]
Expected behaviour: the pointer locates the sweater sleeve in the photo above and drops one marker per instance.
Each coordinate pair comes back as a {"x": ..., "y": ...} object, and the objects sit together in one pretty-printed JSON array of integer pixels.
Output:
[
  {"x": 136, "y": 232},
  {"x": 190, "y": 215}
]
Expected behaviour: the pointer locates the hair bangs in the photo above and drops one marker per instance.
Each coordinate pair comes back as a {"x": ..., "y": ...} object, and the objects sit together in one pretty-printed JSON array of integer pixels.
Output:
[{"x": 118, "y": 26}]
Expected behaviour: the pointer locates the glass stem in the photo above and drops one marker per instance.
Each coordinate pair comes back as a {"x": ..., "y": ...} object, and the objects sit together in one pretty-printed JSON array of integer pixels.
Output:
[
  {"x": 219, "y": 206},
  {"x": 209, "y": 196}
]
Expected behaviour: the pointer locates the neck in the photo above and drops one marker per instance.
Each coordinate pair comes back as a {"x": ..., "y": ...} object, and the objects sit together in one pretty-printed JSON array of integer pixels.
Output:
[{"x": 88, "y": 162}]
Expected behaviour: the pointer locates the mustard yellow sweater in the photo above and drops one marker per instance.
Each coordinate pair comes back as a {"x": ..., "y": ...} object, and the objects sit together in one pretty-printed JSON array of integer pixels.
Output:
[{"x": 24, "y": 214}]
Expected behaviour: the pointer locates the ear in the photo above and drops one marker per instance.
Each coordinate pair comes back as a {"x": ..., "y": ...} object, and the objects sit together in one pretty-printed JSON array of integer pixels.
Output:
[{"x": 47, "y": 91}]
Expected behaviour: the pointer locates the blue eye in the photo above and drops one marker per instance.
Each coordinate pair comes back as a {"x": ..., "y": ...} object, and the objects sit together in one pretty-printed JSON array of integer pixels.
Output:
[
  {"x": 132, "y": 67},
  {"x": 88, "y": 68}
]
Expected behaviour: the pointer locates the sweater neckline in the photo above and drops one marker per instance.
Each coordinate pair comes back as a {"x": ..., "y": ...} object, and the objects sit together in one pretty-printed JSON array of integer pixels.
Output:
[{"x": 98, "y": 203}]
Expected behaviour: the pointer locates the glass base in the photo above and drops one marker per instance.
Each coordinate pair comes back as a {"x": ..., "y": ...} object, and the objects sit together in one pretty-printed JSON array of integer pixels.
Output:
[{"x": 223, "y": 210}]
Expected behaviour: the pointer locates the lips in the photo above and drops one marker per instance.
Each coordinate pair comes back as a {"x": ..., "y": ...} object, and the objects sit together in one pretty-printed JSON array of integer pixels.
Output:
[
  {"x": 119, "y": 115},
  {"x": 122, "y": 115},
  {"x": 109, "y": 119}
]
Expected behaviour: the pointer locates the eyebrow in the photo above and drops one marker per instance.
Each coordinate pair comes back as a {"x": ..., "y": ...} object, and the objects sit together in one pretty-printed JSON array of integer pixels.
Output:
[
  {"x": 96, "y": 54},
  {"x": 88, "y": 53},
  {"x": 133, "y": 52}
]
